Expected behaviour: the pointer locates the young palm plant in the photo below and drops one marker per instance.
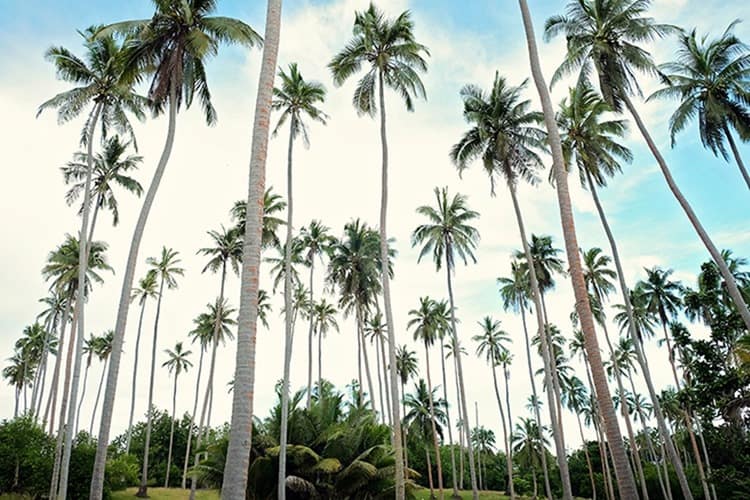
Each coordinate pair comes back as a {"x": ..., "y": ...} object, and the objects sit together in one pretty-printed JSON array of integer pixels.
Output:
[
  {"x": 297, "y": 100},
  {"x": 606, "y": 34},
  {"x": 164, "y": 47},
  {"x": 449, "y": 234},
  {"x": 176, "y": 363},
  {"x": 710, "y": 78},
  {"x": 392, "y": 57}
]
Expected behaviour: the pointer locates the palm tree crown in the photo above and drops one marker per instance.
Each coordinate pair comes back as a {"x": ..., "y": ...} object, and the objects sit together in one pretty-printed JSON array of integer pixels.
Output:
[{"x": 296, "y": 98}]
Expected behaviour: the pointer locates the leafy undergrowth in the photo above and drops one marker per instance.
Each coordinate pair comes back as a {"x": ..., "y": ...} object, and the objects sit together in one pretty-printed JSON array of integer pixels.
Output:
[{"x": 166, "y": 494}]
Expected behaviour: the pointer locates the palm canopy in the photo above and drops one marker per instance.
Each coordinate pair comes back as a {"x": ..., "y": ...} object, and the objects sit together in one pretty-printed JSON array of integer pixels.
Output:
[
  {"x": 606, "y": 34},
  {"x": 662, "y": 295},
  {"x": 110, "y": 169},
  {"x": 490, "y": 341},
  {"x": 427, "y": 321},
  {"x": 174, "y": 45},
  {"x": 166, "y": 266},
  {"x": 147, "y": 288},
  {"x": 711, "y": 79},
  {"x": 177, "y": 359},
  {"x": 297, "y": 98},
  {"x": 101, "y": 79},
  {"x": 324, "y": 317},
  {"x": 316, "y": 240},
  {"x": 597, "y": 274},
  {"x": 418, "y": 415},
  {"x": 545, "y": 258},
  {"x": 406, "y": 363},
  {"x": 62, "y": 265},
  {"x": 504, "y": 133},
  {"x": 226, "y": 250},
  {"x": 391, "y": 57},
  {"x": 272, "y": 204},
  {"x": 448, "y": 231},
  {"x": 220, "y": 313},
  {"x": 589, "y": 140},
  {"x": 642, "y": 317},
  {"x": 103, "y": 345},
  {"x": 514, "y": 290}
]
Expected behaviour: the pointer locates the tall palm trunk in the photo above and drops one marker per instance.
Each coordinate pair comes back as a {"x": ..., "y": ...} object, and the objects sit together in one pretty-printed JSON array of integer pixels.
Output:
[
  {"x": 192, "y": 420},
  {"x": 97, "y": 479},
  {"x": 588, "y": 457},
  {"x": 238, "y": 453},
  {"x": 360, "y": 387},
  {"x": 429, "y": 471},
  {"x": 536, "y": 295},
  {"x": 380, "y": 382},
  {"x": 505, "y": 427},
  {"x": 729, "y": 281},
  {"x": 639, "y": 354},
  {"x": 83, "y": 396},
  {"x": 625, "y": 479},
  {"x": 135, "y": 377},
  {"x": 448, "y": 420},
  {"x": 365, "y": 358},
  {"x": 537, "y": 416},
  {"x": 460, "y": 373},
  {"x": 406, "y": 447},
  {"x": 397, "y": 450},
  {"x": 310, "y": 336},
  {"x": 479, "y": 447},
  {"x": 83, "y": 253},
  {"x": 737, "y": 157},
  {"x": 506, "y": 437},
  {"x": 461, "y": 425},
  {"x": 171, "y": 430},
  {"x": 52, "y": 399},
  {"x": 381, "y": 343},
  {"x": 143, "y": 488},
  {"x": 41, "y": 373},
  {"x": 555, "y": 377},
  {"x": 98, "y": 395},
  {"x": 432, "y": 423},
  {"x": 288, "y": 321},
  {"x": 320, "y": 363}
]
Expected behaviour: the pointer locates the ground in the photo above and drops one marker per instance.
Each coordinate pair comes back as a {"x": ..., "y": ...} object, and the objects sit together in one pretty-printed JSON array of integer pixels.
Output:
[{"x": 178, "y": 494}]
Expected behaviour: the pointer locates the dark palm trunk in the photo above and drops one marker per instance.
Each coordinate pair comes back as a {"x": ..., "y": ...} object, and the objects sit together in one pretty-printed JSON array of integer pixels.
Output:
[{"x": 737, "y": 157}]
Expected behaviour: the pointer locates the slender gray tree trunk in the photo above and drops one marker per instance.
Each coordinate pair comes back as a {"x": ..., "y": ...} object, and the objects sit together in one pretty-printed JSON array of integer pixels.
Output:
[
  {"x": 624, "y": 474},
  {"x": 448, "y": 420},
  {"x": 83, "y": 395},
  {"x": 171, "y": 431},
  {"x": 737, "y": 156},
  {"x": 310, "y": 336},
  {"x": 320, "y": 363},
  {"x": 52, "y": 399},
  {"x": 388, "y": 411},
  {"x": 588, "y": 458},
  {"x": 366, "y": 359},
  {"x": 135, "y": 378},
  {"x": 192, "y": 420},
  {"x": 435, "y": 442},
  {"x": 509, "y": 468},
  {"x": 143, "y": 488},
  {"x": 640, "y": 356},
  {"x": 507, "y": 434},
  {"x": 98, "y": 395},
  {"x": 100, "y": 460},
  {"x": 397, "y": 449}
]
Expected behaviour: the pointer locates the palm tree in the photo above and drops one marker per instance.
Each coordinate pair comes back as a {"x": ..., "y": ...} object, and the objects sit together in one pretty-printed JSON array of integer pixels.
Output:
[
  {"x": 147, "y": 289},
  {"x": 491, "y": 342},
  {"x": 102, "y": 349},
  {"x": 104, "y": 85},
  {"x": 607, "y": 33},
  {"x": 514, "y": 292},
  {"x": 56, "y": 304},
  {"x": 178, "y": 362},
  {"x": 375, "y": 331},
  {"x": 529, "y": 445},
  {"x": 110, "y": 169},
  {"x": 316, "y": 241},
  {"x": 424, "y": 321},
  {"x": 324, "y": 319},
  {"x": 425, "y": 415},
  {"x": 484, "y": 441},
  {"x": 576, "y": 398},
  {"x": 167, "y": 268},
  {"x": 272, "y": 204},
  {"x": 165, "y": 48},
  {"x": 446, "y": 235},
  {"x": 392, "y": 57},
  {"x": 89, "y": 347},
  {"x": 625, "y": 475},
  {"x": 16, "y": 375},
  {"x": 710, "y": 77},
  {"x": 407, "y": 367},
  {"x": 504, "y": 134},
  {"x": 297, "y": 99}
]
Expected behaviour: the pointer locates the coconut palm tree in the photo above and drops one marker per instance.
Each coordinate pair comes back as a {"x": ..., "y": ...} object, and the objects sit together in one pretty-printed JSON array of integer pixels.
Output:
[
  {"x": 424, "y": 321},
  {"x": 583, "y": 308},
  {"x": 176, "y": 363},
  {"x": 529, "y": 444},
  {"x": 393, "y": 58},
  {"x": 297, "y": 100},
  {"x": 102, "y": 349},
  {"x": 56, "y": 305},
  {"x": 89, "y": 346},
  {"x": 164, "y": 47},
  {"x": 16, "y": 374},
  {"x": 576, "y": 398},
  {"x": 316, "y": 240},
  {"x": 491, "y": 342},
  {"x": 425, "y": 415},
  {"x": 446, "y": 235},
  {"x": 407, "y": 367},
  {"x": 111, "y": 168},
  {"x": 105, "y": 88},
  {"x": 607, "y": 34},
  {"x": 167, "y": 268},
  {"x": 324, "y": 319},
  {"x": 375, "y": 331},
  {"x": 147, "y": 289},
  {"x": 504, "y": 133},
  {"x": 709, "y": 77},
  {"x": 272, "y": 204}
]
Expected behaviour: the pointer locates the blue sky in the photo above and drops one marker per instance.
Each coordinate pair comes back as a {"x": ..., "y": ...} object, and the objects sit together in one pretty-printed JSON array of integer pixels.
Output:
[{"x": 468, "y": 41}]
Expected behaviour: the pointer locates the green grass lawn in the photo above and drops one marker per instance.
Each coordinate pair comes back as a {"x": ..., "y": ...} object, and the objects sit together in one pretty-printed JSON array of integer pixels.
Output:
[
  {"x": 166, "y": 494},
  {"x": 465, "y": 495}
]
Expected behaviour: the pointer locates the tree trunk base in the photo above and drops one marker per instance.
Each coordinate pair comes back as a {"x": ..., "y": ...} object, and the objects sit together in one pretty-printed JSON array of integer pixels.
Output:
[{"x": 142, "y": 492}]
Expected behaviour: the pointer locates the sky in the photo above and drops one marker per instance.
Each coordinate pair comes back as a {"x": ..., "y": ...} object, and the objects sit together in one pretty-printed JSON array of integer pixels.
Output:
[{"x": 337, "y": 180}]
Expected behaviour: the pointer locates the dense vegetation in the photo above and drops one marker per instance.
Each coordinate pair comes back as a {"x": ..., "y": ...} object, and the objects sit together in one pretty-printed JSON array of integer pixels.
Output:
[{"x": 409, "y": 426}]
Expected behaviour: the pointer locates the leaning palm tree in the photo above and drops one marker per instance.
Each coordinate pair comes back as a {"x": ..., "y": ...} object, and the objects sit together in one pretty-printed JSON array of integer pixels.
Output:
[
  {"x": 297, "y": 100},
  {"x": 105, "y": 88},
  {"x": 504, "y": 133},
  {"x": 166, "y": 48},
  {"x": 625, "y": 475},
  {"x": 147, "y": 289},
  {"x": 167, "y": 268},
  {"x": 448, "y": 234},
  {"x": 424, "y": 321},
  {"x": 606, "y": 34},
  {"x": 315, "y": 241},
  {"x": 710, "y": 79},
  {"x": 177, "y": 363},
  {"x": 392, "y": 57},
  {"x": 234, "y": 484},
  {"x": 491, "y": 342}
]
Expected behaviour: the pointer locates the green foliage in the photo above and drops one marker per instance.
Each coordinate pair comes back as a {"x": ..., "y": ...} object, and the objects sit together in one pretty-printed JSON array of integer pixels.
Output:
[
  {"x": 122, "y": 472},
  {"x": 26, "y": 454}
]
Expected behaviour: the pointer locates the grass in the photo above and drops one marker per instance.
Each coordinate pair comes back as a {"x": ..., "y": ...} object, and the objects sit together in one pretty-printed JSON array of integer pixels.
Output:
[
  {"x": 465, "y": 495},
  {"x": 166, "y": 494}
]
